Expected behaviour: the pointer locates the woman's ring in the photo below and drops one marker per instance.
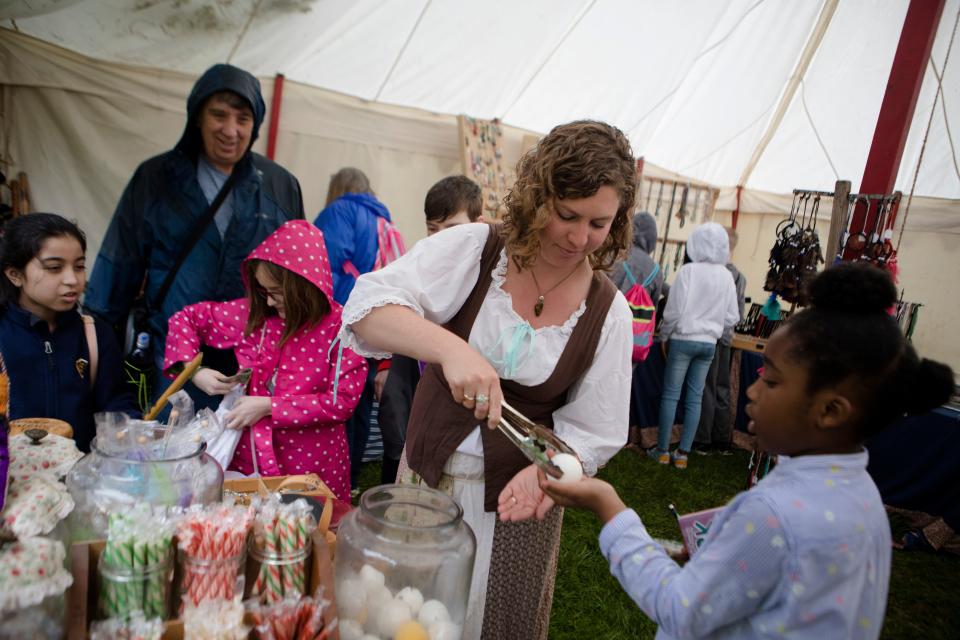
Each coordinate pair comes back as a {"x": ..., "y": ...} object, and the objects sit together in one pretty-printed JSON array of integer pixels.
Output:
[
  {"x": 469, "y": 397},
  {"x": 482, "y": 398}
]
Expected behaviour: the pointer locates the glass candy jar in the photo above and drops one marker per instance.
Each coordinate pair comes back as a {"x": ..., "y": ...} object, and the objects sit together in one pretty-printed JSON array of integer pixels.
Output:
[
  {"x": 404, "y": 561},
  {"x": 102, "y": 482}
]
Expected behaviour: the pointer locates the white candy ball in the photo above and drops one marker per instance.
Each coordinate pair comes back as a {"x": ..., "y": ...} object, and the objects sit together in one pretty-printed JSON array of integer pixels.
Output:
[
  {"x": 390, "y": 616},
  {"x": 431, "y": 612},
  {"x": 370, "y": 637},
  {"x": 352, "y": 600},
  {"x": 444, "y": 631},
  {"x": 371, "y": 578},
  {"x": 412, "y": 597},
  {"x": 569, "y": 465},
  {"x": 378, "y": 597},
  {"x": 350, "y": 629}
]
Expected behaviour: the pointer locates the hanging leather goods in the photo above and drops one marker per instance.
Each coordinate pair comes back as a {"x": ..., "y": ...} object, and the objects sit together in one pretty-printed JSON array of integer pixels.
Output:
[
  {"x": 857, "y": 241},
  {"x": 682, "y": 212},
  {"x": 659, "y": 200}
]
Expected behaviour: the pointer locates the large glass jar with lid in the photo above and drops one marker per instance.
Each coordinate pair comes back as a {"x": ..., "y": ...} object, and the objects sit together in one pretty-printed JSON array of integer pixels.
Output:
[
  {"x": 101, "y": 483},
  {"x": 403, "y": 565}
]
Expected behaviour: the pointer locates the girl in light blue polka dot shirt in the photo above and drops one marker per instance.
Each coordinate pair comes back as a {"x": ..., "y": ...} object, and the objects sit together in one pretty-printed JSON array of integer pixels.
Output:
[{"x": 806, "y": 553}]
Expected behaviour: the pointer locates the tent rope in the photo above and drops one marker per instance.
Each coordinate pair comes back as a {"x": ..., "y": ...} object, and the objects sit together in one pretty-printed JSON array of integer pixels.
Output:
[
  {"x": 926, "y": 135},
  {"x": 243, "y": 32},
  {"x": 396, "y": 61},
  {"x": 549, "y": 56}
]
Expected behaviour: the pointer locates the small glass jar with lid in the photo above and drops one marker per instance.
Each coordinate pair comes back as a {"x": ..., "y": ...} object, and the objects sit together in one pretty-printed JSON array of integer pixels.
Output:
[
  {"x": 101, "y": 483},
  {"x": 404, "y": 561}
]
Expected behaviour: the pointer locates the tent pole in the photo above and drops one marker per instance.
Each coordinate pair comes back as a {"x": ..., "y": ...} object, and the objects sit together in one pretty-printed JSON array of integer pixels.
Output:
[
  {"x": 275, "y": 103},
  {"x": 899, "y": 103}
]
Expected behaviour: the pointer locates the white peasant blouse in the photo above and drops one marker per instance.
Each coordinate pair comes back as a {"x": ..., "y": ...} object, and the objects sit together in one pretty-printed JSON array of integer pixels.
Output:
[{"x": 435, "y": 278}]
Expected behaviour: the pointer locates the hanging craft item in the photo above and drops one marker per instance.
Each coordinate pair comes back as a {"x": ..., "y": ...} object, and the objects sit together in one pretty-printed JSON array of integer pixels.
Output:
[
  {"x": 682, "y": 213},
  {"x": 481, "y": 156},
  {"x": 659, "y": 200},
  {"x": 796, "y": 251}
]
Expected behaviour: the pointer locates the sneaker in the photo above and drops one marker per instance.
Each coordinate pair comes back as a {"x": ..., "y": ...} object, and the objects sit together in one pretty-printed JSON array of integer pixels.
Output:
[
  {"x": 702, "y": 449},
  {"x": 662, "y": 457},
  {"x": 679, "y": 459},
  {"x": 724, "y": 451}
]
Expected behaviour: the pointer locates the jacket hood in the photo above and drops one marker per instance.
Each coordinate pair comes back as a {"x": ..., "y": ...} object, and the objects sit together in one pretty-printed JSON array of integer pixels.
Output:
[
  {"x": 220, "y": 77},
  {"x": 645, "y": 231},
  {"x": 369, "y": 202},
  {"x": 298, "y": 246},
  {"x": 709, "y": 243}
]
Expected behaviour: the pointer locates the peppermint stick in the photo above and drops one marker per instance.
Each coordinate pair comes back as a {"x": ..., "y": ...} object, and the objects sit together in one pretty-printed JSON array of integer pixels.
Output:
[{"x": 212, "y": 542}]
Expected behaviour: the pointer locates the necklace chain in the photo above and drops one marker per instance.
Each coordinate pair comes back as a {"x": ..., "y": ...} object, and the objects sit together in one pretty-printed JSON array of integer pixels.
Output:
[{"x": 538, "y": 307}]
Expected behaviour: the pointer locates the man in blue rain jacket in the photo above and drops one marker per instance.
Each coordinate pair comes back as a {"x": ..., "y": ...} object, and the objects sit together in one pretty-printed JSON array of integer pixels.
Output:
[{"x": 169, "y": 193}]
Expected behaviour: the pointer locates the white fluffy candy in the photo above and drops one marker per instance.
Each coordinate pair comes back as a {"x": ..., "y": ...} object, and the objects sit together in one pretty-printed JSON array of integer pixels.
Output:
[
  {"x": 371, "y": 578},
  {"x": 412, "y": 597},
  {"x": 350, "y": 629},
  {"x": 431, "y": 612},
  {"x": 352, "y": 600},
  {"x": 389, "y": 617},
  {"x": 378, "y": 597},
  {"x": 444, "y": 630},
  {"x": 569, "y": 465}
]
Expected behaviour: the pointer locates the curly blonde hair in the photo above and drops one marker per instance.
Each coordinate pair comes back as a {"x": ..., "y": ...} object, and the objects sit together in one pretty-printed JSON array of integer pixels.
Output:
[{"x": 573, "y": 161}]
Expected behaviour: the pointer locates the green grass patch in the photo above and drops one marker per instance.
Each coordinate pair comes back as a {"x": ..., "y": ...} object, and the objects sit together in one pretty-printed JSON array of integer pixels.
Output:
[{"x": 588, "y": 602}]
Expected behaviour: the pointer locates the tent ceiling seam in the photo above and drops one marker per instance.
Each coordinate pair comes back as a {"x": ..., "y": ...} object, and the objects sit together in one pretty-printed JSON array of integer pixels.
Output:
[
  {"x": 946, "y": 121},
  {"x": 400, "y": 53},
  {"x": 243, "y": 32},
  {"x": 693, "y": 63},
  {"x": 810, "y": 49},
  {"x": 816, "y": 133},
  {"x": 549, "y": 56}
]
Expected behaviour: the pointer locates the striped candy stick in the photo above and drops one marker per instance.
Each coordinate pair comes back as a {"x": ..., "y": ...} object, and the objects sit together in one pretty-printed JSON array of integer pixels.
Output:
[
  {"x": 303, "y": 540},
  {"x": 274, "y": 581},
  {"x": 288, "y": 541}
]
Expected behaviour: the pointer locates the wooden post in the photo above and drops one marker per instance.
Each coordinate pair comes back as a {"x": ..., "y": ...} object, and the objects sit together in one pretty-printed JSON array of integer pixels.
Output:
[{"x": 838, "y": 217}]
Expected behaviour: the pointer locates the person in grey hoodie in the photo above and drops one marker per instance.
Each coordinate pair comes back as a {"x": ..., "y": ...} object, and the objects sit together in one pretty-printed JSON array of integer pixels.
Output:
[
  {"x": 701, "y": 305},
  {"x": 640, "y": 261}
]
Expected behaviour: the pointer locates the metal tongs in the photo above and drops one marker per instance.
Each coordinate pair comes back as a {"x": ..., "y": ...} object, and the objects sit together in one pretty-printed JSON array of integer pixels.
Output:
[
  {"x": 240, "y": 377},
  {"x": 532, "y": 439}
]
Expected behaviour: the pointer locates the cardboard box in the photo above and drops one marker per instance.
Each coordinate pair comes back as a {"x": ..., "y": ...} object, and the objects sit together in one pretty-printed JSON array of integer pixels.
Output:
[{"x": 82, "y": 596}]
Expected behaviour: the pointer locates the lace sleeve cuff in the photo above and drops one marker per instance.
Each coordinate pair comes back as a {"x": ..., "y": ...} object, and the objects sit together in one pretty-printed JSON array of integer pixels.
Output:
[{"x": 355, "y": 313}]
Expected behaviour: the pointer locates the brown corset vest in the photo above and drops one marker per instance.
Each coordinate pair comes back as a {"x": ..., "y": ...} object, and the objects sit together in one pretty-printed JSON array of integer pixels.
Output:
[{"x": 438, "y": 425}]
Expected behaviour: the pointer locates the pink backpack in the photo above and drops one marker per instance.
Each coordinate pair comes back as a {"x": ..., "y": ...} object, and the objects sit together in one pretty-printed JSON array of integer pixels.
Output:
[
  {"x": 389, "y": 247},
  {"x": 644, "y": 313}
]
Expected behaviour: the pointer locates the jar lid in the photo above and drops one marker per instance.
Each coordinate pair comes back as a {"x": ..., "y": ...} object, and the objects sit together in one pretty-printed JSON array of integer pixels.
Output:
[{"x": 411, "y": 506}]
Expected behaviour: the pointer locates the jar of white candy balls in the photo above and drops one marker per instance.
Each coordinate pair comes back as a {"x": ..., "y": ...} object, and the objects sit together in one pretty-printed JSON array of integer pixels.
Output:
[{"x": 403, "y": 566}]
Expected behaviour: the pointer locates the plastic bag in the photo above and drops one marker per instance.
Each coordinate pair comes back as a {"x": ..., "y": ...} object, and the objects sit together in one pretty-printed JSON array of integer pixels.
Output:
[{"x": 222, "y": 446}]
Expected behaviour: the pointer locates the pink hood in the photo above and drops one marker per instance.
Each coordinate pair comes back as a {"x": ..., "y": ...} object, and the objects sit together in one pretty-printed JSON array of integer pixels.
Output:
[{"x": 298, "y": 246}]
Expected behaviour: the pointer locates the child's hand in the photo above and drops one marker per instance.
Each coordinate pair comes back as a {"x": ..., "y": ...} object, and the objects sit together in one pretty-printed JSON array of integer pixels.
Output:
[
  {"x": 474, "y": 383},
  {"x": 522, "y": 498},
  {"x": 248, "y": 411},
  {"x": 587, "y": 493},
  {"x": 210, "y": 381}
]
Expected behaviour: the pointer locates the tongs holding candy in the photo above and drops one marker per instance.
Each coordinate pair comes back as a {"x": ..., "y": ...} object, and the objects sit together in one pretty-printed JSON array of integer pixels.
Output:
[{"x": 533, "y": 440}]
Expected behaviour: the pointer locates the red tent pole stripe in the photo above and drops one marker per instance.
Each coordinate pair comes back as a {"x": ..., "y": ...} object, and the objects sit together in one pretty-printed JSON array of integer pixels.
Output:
[
  {"x": 899, "y": 102},
  {"x": 275, "y": 103}
]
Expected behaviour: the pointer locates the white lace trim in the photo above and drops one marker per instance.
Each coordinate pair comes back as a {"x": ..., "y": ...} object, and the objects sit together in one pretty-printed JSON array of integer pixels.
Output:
[
  {"x": 499, "y": 275},
  {"x": 352, "y": 341}
]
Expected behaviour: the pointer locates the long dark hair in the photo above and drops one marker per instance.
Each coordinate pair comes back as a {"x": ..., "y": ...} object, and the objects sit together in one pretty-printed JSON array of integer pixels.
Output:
[{"x": 22, "y": 240}]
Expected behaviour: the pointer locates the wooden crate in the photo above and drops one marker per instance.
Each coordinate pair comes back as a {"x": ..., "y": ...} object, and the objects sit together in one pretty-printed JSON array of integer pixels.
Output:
[{"x": 82, "y": 596}]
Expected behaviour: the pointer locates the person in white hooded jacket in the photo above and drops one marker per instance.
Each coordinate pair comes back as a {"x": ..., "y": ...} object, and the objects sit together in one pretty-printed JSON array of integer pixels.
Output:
[{"x": 702, "y": 303}]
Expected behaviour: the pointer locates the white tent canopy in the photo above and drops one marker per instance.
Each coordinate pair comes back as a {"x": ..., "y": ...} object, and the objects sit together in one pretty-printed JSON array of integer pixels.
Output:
[
  {"x": 769, "y": 94},
  {"x": 695, "y": 84}
]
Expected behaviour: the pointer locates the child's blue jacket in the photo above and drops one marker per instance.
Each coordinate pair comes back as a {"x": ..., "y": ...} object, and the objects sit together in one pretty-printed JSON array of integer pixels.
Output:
[{"x": 50, "y": 373}]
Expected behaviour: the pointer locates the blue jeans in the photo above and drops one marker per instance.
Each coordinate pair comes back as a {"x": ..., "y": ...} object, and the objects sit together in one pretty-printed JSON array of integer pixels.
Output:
[
  {"x": 687, "y": 361},
  {"x": 358, "y": 425}
]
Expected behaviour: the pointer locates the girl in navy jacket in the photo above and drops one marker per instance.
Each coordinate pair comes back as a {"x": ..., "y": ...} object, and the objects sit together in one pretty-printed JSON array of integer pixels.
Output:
[{"x": 45, "y": 347}]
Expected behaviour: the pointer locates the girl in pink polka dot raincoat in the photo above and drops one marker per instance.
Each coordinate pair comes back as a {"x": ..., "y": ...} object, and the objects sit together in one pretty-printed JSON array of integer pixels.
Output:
[{"x": 298, "y": 397}]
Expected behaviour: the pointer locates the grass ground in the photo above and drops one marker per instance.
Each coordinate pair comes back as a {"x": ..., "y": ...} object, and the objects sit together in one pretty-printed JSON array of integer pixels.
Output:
[{"x": 924, "y": 597}]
